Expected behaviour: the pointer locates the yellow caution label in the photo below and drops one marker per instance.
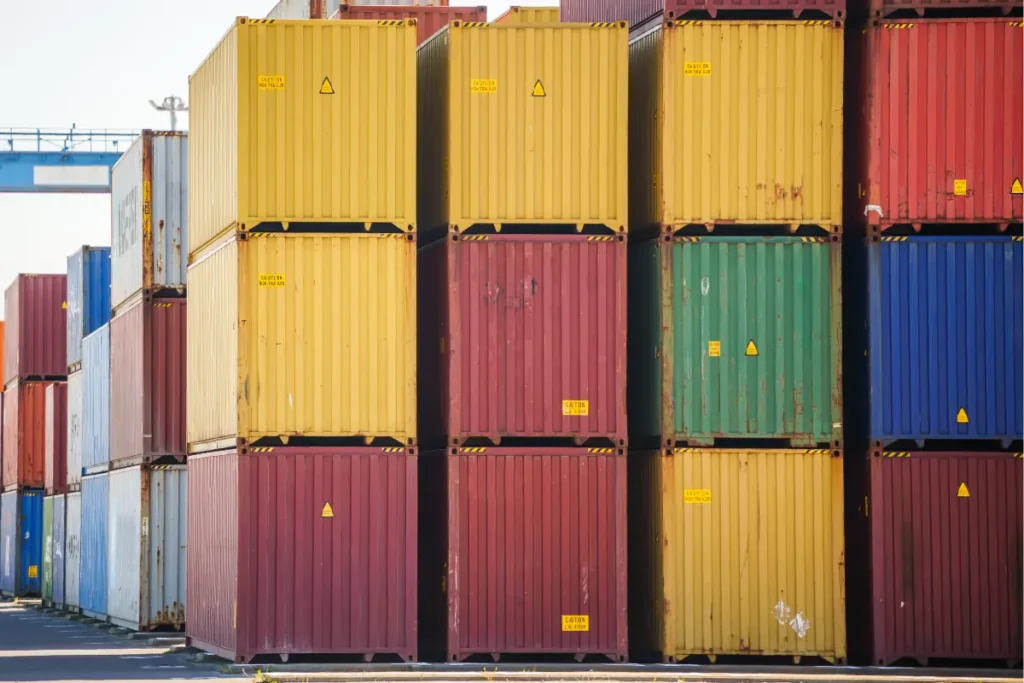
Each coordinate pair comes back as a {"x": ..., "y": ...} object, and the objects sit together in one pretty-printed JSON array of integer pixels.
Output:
[
  {"x": 33, "y": 571},
  {"x": 575, "y": 407},
  {"x": 1016, "y": 187},
  {"x": 696, "y": 68},
  {"x": 696, "y": 496},
  {"x": 265, "y": 82},
  {"x": 576, "y": 622},
  {"x": 538, "y": 89},
  {"x": 751, "y": 348},
  {"x": 271, "y": 280},
  {"x": 961, "y": 417},
  {"x": 714, "y": 349},
  {"x": 487, "y": 86},
  {"x": 960, "y": 187},
  {"x": 326, "y": 88},
  {"x": 64, "y": 305},
  {"x": 962, "y": 492},
  {"x": 327, "y": 512}
]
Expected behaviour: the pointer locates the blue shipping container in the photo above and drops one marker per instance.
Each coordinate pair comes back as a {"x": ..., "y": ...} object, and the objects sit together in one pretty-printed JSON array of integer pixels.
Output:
[
  {"x": 96, "y": 399},
  {"x": 59, "y": 524},
  {"x": 945, "y": 329},
  {"x": 88, "y": 297},
  {"x": 92, "y": 588},
  {"x": 21, "y": 542}
]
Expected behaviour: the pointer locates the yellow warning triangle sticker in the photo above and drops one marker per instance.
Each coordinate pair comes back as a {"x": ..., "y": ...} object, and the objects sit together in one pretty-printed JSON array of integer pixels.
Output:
[
  {"x": 1016, "y": 187},
  {"x": 751, "y": 348},
  {"x": 961, "y": 417},
  {"x": 538, "y": 89},
  {"x": 962, "y": 492},
  {"x": 64, "y": 305},
  {"x": 327, "y": 512},
  {"x": 326, "y": 88}
]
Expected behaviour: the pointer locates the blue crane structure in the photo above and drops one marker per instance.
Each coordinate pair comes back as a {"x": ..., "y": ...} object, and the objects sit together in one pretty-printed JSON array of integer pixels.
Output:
[{"x": 69, "y": 160}]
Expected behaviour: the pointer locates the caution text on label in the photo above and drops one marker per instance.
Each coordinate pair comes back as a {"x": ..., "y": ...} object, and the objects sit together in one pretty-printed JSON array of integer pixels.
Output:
[
  {"x": 575, "y": 622},
  {"x": 714, "y": 349},
  {"x": 697, "y": 68},
  {"x": 575, "y": 407},
  {"x": 327, "y": 512},
  {"x": 960, "y": 187},
  {"x": 696, "y": 496},
  {"x": 33, "y": 571},
  {"x": 271, "y": 280},
  {"x": 326, "y": 88},
  {"x": 751, "y": 348},
  {"x": 485, "y": 86},
  {"x": 270, "y": 82}
]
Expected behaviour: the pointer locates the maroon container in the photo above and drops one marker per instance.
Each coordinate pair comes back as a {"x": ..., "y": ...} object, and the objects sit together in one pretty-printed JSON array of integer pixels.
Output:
[
  {"x": 302, "y": 551},
  {"x": 532, "y": 536},
  {"x": 885, "y": 8},
  {"x": 429, "y": 20},
  {"x": 24, "y": 436},
  {"x": 637, "y": 12},
  {"x": 55, "y": 451},
  {"x": 946, "y": 549},
  {"x": 512, "y": 327},
  {"x": 147, "y": 381},
  {"x": 35, "y": 344}
]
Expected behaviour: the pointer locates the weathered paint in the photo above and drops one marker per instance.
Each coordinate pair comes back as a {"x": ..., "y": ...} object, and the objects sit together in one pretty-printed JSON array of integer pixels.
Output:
[
  {"x": 945, "y": 319},
  {"x": 738, "y": 552},
  {"x": 515, "y": 325},
  {"x": 24, "y": 435},
  {"x": 519, "y": 14},
  {"x": 47, "y": 566},
  {"x": 34, "y": 341},
  {"x": 88, "y": 302},
  {"x": 55, "y": 442},
  {"x": 59, "y": 539},
  {"x": 96, "y": 398},
  {"x": 93, "y": 540},
  {"x": 330, "y": 352},
  {"x": 21, "y": 542},
  {"x": 290, "y": 578},
  {"x": 73, "y": 550},
  {"x": 637, "y": 12},
  {"x": 755, "y": 136},
  {"x": 736, "y": 337},
  {"x": 75, "y": 433},
  {"x": 429, "y": 19},
  {"x": 496, "y": 150}
]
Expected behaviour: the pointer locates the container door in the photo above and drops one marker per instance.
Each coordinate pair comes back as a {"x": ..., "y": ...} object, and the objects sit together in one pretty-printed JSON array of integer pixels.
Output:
[
  {"x": 31, "y": 580},
  {"x": 59, "y": 526},
  {"x": 48, "y": 549}
]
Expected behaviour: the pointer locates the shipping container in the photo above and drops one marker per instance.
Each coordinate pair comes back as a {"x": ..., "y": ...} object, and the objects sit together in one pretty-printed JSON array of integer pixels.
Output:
[
  {"x": 93, "y": 539},
  {"x": 277, "y": 137},
  {"x": 3, "y": 348},
  {"x": 88, "y": 303},
  {"x": 523, "y": 125},
  {"x": 738, "y": 552},
  {"x": 21, "y": 542},
  {"x": 59, "y": 556},
  {"x": 917, "y": 8},
  {"x": 328, "y": 567},
  {"x": 945, "y": 350},
  {"x": 435, "y": 3},
  {"x": 47, "y": 565},
  {"x": 24, "y": 435},
  {"x": 517, "y": 14},
  {"x": 736, "y": 338},
  {"x": 149, "y": 228},
  {"x": 73, "y": 550},
  {"x": 300, "y": 9},
  {"x": 147, "y": 380},
  {"x": 96, "y": 398},
  {"x": 913, "y": 168},
  {"x": 146, "y": 547},
  {"x": 429, "y": 20},
  {"x": 736, "y": 122},
  {"x": 75, "y": 432},
  {"x": 302, "y": 335},
  {"x": 639, "y": 12},
  {"x": 34, "y": 342},
  {"x": 523, "y": 336},
  {"x": 55, "y": 442}
]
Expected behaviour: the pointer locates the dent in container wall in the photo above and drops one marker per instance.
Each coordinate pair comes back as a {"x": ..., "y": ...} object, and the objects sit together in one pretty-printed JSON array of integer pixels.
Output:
[
  {"x": 96, "y": 398},
  {"x": 35, "y": 338},
  {"x": 88, "y": 302},
  {"x": 24, "y": 435},
  {"x": 335, "y": 574},
  {"x": 93, "y": 577},
  {"x": 75, "y": 434},
  {"x": 429, "y": 19},
  {"x": 55, "y": 466},
  {"x": 21, "y": 542},
  {"x": 73, "y": 549}
]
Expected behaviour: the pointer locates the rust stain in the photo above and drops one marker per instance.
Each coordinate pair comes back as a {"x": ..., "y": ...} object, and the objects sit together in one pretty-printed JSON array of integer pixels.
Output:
[
  {"x": 797, "y": 191},
  {"x": 780, "y": 191}
]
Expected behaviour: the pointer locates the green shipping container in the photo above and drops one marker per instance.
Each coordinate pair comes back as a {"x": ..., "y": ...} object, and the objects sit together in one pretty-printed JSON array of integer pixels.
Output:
[
  {"x": 735, "y": 338},
  {"x": 48, "y": 549}
]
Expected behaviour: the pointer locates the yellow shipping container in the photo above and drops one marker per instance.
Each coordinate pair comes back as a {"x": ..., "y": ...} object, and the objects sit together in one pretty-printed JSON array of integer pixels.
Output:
[
  {"x": 737, "y": 122},
  {"x": 738, "y": 552},
  {"x": 297, "y": 121},
  {"x": 523, "y": 124},
  {"x": 302, "y": 334},
  {"x": 529, "y": 15}
]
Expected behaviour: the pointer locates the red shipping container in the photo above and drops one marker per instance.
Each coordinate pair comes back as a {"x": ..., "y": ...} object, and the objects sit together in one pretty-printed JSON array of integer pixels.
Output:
[
  {"x": 637, "y": 12},
  {"x": 55, "y": 460},
  {"x": 883, "y": 8},
  {"x": 523, "y": 336},
  {"x": 429, "y": 20},
  {"x": 302, "y": 551},
  {"x": 35, "y": 343},
  {"x": 24, "y": 435},
  {"x": 147, "y": 381},
  {"x": 939, "y": 116},
  {"x": 532, "y": 550},
  {"x": 946, "y": 556}
]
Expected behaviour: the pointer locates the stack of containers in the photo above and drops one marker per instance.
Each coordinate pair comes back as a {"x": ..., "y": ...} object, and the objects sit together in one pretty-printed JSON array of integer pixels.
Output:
[
  {"x": 429, "y": 18},
  {"x": 322, "y": 9},
  {"x": 936, "y": 374},
  {"x": 301, "y": 365},
  {"x": 36, "y": 307},
  {"x": 147, "y": 481},
  {"x": 55, "y": 487},
  {"x": 522, "y": 291}
]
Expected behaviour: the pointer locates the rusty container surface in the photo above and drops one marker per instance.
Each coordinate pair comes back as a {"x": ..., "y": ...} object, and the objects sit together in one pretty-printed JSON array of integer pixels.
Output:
[
  {"x": 945, "y": 555},
  {"x": 524, "y": 14},
  {"x": 524, "y": 336},
  {"x": 637, "y": 12},
  {"x": 916, "y": 8},
  {"x": 429, "y": 19},
  {"x": 24, "y": 435},
  {"x": 738, "y": 552},
  {"x": 313, "y": 551},
  {"x": 35, "y": 345},
  {"x": 55, "y": 448},
  {"x": 938, "y": 120},
  {"x": 533, "y": 550},
  {"x": 147, "y": 380}
]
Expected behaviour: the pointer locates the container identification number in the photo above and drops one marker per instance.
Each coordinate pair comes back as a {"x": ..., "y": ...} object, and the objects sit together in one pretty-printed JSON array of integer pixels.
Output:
[
  {"x": 571, "y": 407},
  {"x": 265, "y": 82},
  {"x": 696, "y": 496},
  {"x": 575, "y": 622},
  {"x": 271, "y": 280},
  {"x": 697, "y": 68},
  {"x": 487, "y": 86}
]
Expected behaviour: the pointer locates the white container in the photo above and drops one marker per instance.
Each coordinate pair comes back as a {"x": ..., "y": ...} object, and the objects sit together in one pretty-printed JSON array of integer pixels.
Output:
[
  {"x": 75, "y": 431},
  {"x": 146, "y": 547},
  {"x": 73, "y": 550},
  {"x": 96, "y": 400}
]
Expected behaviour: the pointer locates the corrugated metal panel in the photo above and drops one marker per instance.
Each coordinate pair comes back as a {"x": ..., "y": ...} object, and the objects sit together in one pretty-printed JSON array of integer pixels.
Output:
[
  {"x": 21, "y": 542},
  {"x": 946, "y": 556},
  {"x": 747, "y": 549},
  {"x": 523, "y": 125},
  {"x": 96, "y": 398},
  {"x": 93, "y": 578},
  {"x": 34, "y": 344},
  {"x": 738, "y": 121},
  {"x": 945, "y": 315},
  {"x": 297, "y": 155},
  {"x": 336, "y": 573},
  {"x": 73, "y": 549},
  {"x": 24, "y": 435},
  {"x": 147, "y": 379},
  {"x": 55, "y": 441},
  {"x": 342, "y": 315},
  {"x": 149, "y": 200},
  {"x": 75, "y": 432},
  {"x": 634, "y": 11},
  {"x": 529, "y": 15},
  {"x": 47, "y": 570},
  {"x": 404, "y": 2},
  {"x": 514, "y": 326},
  {"x": 59, "y": 538},
  {"x": 881, "y": 8},
  {"x": 637, "y": 11},
  {"x": 88, "y": 297},
  {"x": 429, "y": 20}
]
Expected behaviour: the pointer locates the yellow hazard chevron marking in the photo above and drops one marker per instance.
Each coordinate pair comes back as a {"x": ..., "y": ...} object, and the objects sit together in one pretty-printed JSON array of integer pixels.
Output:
[
  {"x": 962, "y": 492},
  {"x": 961, "y": 417},
  {"x": 475, "y": 449},
  {"x": 327, "y": 512},
  {"x": 600, "y": 450},
  {"x": 263, "y": 449}
]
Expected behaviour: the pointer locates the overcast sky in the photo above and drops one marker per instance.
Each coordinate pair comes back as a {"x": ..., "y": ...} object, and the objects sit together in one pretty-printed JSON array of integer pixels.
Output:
[{"x": 97, "y": 64}]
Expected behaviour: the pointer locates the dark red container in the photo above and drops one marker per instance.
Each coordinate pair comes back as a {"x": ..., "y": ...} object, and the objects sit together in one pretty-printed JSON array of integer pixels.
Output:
[
  {"x": 35, "y": 340},
  {"x": 532, "y": 537},
  {"x": 302, "y": 551},
  {"x": 55, "y": 458},
  {"x": 637, "y": 12},
  {"x": 885, "y": 8},
  {"x": 514, "y": 326},
  {"x": 24, "y": 435},
  {"x": 429, "y": 20},
  {"x": 147, "y": 381},
  {"x": 946, "y": 556}
]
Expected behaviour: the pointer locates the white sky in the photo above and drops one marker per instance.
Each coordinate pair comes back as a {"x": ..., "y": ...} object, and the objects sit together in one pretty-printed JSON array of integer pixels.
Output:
[{"x": 96, "y": 64}]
